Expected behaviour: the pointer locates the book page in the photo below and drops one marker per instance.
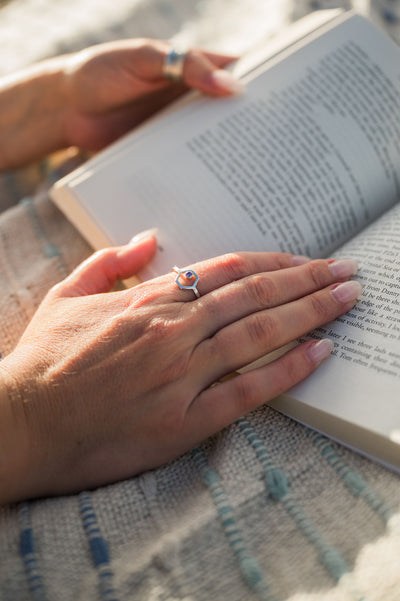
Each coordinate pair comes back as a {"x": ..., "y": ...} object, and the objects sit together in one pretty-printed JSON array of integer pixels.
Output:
[
  {"x": 369, "y": 335},
  {"x": 360, "y": 383},
  {"x": 304, "y": 159},
  {"x": 266, "y": 50}
]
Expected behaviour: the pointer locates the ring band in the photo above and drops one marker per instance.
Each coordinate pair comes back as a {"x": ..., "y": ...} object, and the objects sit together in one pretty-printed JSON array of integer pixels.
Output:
[
  {"x": 187, "y": 275},
  {"x": 173, "y": 65}
]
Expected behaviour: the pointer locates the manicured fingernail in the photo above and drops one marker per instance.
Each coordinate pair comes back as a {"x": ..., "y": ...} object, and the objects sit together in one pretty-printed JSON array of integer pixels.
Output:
[
  {"x": 300, "y": 259},
  {"x": 347, "y": 292},
  {"x": 319, "y": 350},
  {"x": 343, "y": 268},
  {"x": 143, "y": 235},
  {"x": 223, "y": 79}
]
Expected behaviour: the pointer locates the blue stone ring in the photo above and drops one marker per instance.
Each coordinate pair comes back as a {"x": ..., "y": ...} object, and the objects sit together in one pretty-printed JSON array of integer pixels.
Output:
[
  {"x": 173, "y": 65},
  {"x": 187, "y": 279}
]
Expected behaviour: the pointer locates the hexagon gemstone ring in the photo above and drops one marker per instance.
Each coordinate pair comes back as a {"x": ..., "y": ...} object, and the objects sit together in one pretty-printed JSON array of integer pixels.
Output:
[{"x": 189, "y": 276}]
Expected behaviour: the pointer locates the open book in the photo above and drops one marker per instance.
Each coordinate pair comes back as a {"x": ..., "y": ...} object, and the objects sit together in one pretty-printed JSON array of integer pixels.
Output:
[{"x": 306, "y": 161}]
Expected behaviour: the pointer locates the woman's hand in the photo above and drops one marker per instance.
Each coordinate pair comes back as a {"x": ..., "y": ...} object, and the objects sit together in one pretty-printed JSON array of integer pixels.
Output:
[
  {"x": 90, "y": 98},
  {"x": 104, "y": 386},
  {"x": 112, "y": 87}
]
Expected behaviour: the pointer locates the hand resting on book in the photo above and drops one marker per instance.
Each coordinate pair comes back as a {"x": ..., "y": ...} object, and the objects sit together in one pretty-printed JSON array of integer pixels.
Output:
[
  {"x": 104, "y": 385},
  {"x": 90, "y": 98}
]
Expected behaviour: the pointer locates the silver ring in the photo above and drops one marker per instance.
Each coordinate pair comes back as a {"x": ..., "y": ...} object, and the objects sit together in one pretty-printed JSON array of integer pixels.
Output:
[
  {"x": 173, "y": 65},
  {"x": 188, "y": 275}
]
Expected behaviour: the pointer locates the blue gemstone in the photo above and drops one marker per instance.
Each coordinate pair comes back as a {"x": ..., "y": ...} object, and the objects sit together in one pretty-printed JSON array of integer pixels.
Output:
[{"x": 189, "y": 275}]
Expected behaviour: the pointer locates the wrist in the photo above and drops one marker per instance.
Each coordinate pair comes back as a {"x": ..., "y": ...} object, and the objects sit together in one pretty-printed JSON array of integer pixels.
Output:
[
  {"x": 32, "y": 114},
  {"x": 17, "y": 452}
]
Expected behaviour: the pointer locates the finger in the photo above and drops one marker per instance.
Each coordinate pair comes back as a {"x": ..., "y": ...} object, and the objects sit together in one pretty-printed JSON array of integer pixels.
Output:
[
  {"x": 225, "y": 269},
  {"x": 144, "y": 61},
  {"x": 269, "y": 289},
  {"x": 219, "y": 406},
  {"x": 250, "y": 338},
  {"x": 218, "y": 59},
  {"x": 203, "y": 72},
  {"x": 103, "y": 269}
]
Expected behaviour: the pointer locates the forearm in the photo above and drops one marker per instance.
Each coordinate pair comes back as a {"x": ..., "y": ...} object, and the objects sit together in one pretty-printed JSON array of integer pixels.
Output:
[{"x": 32, "y": 108}]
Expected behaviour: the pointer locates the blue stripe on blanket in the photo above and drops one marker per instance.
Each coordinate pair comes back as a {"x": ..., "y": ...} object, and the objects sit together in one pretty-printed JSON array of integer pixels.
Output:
[
  {"x": 249, "y": 567},
  {"x": 28, "y": 554},
  {"x": 353, "y": 481},
  {"x": 278, "y": 488},
  {"x": 98, "y": 548}
]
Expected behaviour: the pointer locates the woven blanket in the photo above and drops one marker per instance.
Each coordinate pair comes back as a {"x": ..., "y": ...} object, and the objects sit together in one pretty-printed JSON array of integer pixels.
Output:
[{"x": 266, "y": 510}]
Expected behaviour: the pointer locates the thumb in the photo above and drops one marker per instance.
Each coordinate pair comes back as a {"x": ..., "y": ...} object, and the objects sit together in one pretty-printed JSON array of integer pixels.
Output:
[{"x": 105, "y": 267}]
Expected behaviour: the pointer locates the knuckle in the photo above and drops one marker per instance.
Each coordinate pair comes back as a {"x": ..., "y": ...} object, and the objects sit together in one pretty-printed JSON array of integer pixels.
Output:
[
  {"x": 294, "y": 367},
  {"x": 319, "y": 307},
  {"x": 263, "y": 290},
  {"x": 246, "y": 397},
  {"x": 193, "y": 55},
  {"x": 56, "y": 290},
  {"x": 261, "y": 328},
  {"x": 104, "y": 258},
  {"x": 144, "y": 44},
  {"x": 208, "y": 310},
  {"x": 161, "y": 336},
  {"x": 117, "y": 326},
  {"x": 278, "y": 260},
  {"x": 158, "y": 330},
  {"x": 287, "y": 374},
  {"x": 213, "y": 348},
  {"x": 317, "y": 273},
  {"x": 103, "y": 255},
  {"x": 235, "y": 266}
]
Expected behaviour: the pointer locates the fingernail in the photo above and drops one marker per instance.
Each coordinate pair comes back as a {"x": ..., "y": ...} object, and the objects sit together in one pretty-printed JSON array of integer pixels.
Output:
[
  {"x": 343, "y": 268},
  {"x": 347, "y": 292},
  {"x": 300, "y": 259},
  {"x": 143, "y": 235},
  {"x": 319, "y": 350},
  {"x": 223, "y": 79}
]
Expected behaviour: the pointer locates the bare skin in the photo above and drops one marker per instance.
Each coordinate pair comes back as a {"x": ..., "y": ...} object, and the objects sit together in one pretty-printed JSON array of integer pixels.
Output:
[
  {"x": 90, "y": 98},
  {"x": 103, "y": 386}
]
